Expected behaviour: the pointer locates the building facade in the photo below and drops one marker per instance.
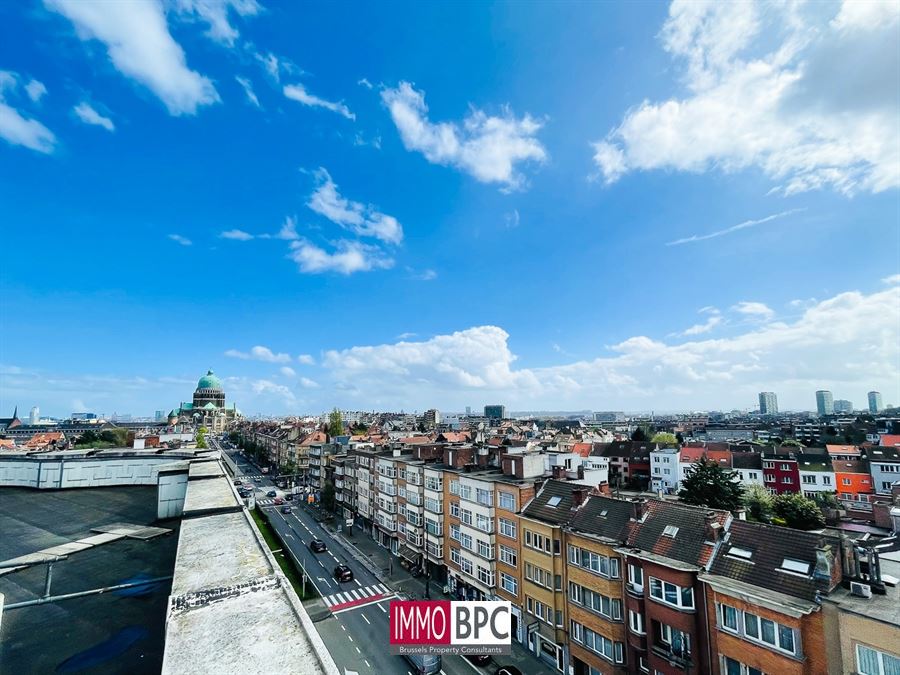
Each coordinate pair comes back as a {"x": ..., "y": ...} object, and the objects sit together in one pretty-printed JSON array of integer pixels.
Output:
[{"x": 768, "y": 403}]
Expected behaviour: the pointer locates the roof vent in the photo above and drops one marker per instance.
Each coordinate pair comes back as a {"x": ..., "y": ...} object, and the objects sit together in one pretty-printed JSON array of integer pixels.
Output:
[{"x": 860, "y": 590}]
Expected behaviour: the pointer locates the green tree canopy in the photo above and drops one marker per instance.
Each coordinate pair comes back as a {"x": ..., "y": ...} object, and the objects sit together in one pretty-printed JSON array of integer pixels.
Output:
[
  {"x": 798, "y": 511},
  {"x": 328, "y": 495},
  {"x": 664, "y": 437},
  {"x": 201, "y": 437},
  {"x": 639, "y": 435},
  {"x": 707, "y": 483},
  {"x": 758, "y": 503},
  {"x": 335, "y": 423}
]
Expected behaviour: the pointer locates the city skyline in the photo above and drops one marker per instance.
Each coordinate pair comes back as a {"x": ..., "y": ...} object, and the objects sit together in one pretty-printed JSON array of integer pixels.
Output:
[{"x": 355, "y": 214}]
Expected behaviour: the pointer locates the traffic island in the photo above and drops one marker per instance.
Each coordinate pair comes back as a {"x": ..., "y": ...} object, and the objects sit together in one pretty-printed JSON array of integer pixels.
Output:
[{"x": 285, "y": 561}]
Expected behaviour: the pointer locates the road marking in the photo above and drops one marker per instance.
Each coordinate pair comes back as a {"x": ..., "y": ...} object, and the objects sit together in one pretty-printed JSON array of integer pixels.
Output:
[
  {"x": 333, "y": 556},
  {"x": 350, "y": 637},
  {"x": 354, "y": 594},
  {"x": 343, "y": 627},
  {"x": 366, "y": 618},
  {"x": 382, "y": 609},
  {"x": 368, "y": 665},
  {"x": 357, "y": 649},
  {"x": 320, "y": 563},
  {"x": 357, "y": 582}
]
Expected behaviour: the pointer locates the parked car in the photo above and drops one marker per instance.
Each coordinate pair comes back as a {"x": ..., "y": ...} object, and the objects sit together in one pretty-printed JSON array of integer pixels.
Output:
[
  {"x": 285, "y": 509},
  {"x": 317, "y": 546},
  {"x": 278, "y": 501},
  {"x": 271, "y": 493},
  {"x": 238, "y": 481},
  {"x": 425, "y": 664},
  {"x": 289, "y": 497},
  {"x": 343, "y": 573},
  {"x": 479, "y": 659},
  {"x": 507, "y": 670}
]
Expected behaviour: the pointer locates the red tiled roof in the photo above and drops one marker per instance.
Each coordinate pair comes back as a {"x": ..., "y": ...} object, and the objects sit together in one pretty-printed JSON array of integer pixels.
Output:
[{"x": 890, "y": 439}]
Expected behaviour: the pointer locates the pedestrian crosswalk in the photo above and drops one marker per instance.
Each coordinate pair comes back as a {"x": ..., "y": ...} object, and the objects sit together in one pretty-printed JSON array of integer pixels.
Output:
[
  {"x": 259, "y": 477},
  {"x": 355, "y": 596},
  {"x": 265, "y": 502}
]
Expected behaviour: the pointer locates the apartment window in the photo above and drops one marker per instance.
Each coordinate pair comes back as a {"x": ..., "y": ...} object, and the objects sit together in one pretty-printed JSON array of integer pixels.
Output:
[
  {"x": 846, "y": 481},
  {"x": 609, "y": 650},
  {"x": 809, "y": 480},
  {"x": 538, "y": 575},
  {"x": 433, "y": 505},
  {"x": 683, "y": 598},
  {"x": 465, "y": 541},
  {"x": 465, "y": 491},
  {"x": 485, "y": 576},
  {"x": 728, "y": 615},
  {"x": 768, "y": 632},
  {"x": 594, "y": 562},
  {"x": 733, "y": 667},
  {"x": 873, "y": 662},
  {"x": 454, "y": 532},
  {"x": 454, "y": 487},
  {"x": 611, "y": 608},
  {"x": 485, "y": 550},
  {"x": 509, "y": 584},
  {"x": 465, "y": 565},
  {"x": 434, "y": 484},
  {"x": 508, "y": 556},
  {"x": 485, "y": 497},
  {"x": 507, "y": 501},
  {"x": 678, "y": 642},
  {"x": 454, "y": 509},
  {"x": 785, "y": 467},
  {"x": 770, "y": 478},
  {"x": 826, "y": 480},
  {"x": 507, "y": 528},
  {"x": 636, "y": 577},
  {"x": 484, "y": 523},
  {"x": 636, "y": 622}
]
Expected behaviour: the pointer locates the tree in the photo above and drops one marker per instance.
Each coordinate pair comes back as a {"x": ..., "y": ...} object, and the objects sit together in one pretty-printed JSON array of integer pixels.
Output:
[
  {"x": 328, "y": 495},
  {"x": 826, "y": 500},
  {"x": 201, "y": 438},
  {"x": 793, "y": 442},
  {"x": 707, "y": 483},
  {"x": 639, "y": 435},
  {"x": 797, "y": 511},
  {"x": 758, "y": 503},
  {"x": 664, "y": 437},
  {"x": 335, "y": 423}
]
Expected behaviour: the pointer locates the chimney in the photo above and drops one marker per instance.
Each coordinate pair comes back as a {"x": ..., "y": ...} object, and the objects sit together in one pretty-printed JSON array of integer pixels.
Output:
[
  {"x": 713, "y": 528},
  {"x": 638, "y": 508},
  {"x": 578, "y": 496},
  {"x": 603, "y": 488},
  {"x": 825, "y": 567},
  {"x": 581, "y": 472},
  {"x": 559, "y": 472}
]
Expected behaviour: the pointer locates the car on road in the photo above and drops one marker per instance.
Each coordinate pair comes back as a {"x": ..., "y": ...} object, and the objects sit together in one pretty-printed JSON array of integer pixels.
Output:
[
  {"x": 478, "y": 659},
  {"x": 258, "y": 480},
  {"x": 425, "y": 664},
  {"x": 317, "y": 546},
  {"x": 238, "y": 481},
  {"x": 278, "y": 501},
  {"x": 285, "y": 509},
  {"x": 507, "y": 670},
  {"x": 289, "y": 497},
  {"x": 271, "y": 493},
  {"x": 343, "y": 573}
]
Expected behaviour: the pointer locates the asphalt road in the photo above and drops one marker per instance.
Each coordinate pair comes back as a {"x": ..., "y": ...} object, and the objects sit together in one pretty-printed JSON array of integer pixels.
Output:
[{"x": 357, "y": 637}]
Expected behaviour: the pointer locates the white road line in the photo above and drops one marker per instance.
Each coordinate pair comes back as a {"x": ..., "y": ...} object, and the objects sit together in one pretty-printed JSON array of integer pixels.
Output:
[
  {"x": 343, "y": 627},
  {"x": 341, "y": 597},
  {"x": 354, "y": 594},
  {"x": 366, "y": 618},
  {"x": 320, "y": 563},
  {"x": 357, "y": 582},
  {"x": 350, "y": 637},
  {"x": 382, "y": 609},
  {"x": 383, "y": 589},
  {"x": 359, "y": 652},
  {"x": 333, "y": 556},
  {"x": 368, "y": 665},
  {"x": 328, "y": 600}
]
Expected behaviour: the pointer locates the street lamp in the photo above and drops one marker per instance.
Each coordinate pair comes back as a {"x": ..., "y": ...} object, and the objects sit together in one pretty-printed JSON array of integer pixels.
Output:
[{"x": 427, "y": 581}]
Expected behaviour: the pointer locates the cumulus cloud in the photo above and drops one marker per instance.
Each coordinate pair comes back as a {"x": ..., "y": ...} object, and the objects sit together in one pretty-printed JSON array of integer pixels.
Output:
[
  {"x": 298, "y": 92},
  {"x": 140, "y": 47},
  {"x": 698, "y": 329},
  {"x": 247, "y": 86},
  {"x": 287, "y": 371},
  {"x": 306, "y": 359},
  {"x": 86, "y": 113},
  {"x": 35, "y": 90},
  {"x": 347, "y": 257},
  {"x": 15, "y": 127},
  {"x": 259, "y": 353},
  {"x": 364, "y": 220},
  {"x": 851, "y": 341},
  {"x": 236, "y": 235},
  {"x": 215, "y": 14},
  {"x": 490, "y": 148},
  {"x": 734, "y": 228},
  {"x": 892, "y": 279},
  {"x": 184, "y": 241},
  {"x": 363, "y": 82},
  {"x": 307, "y": 383},
  {"x": 754, "y": 309},
  {"x": 806, "y": 96}
]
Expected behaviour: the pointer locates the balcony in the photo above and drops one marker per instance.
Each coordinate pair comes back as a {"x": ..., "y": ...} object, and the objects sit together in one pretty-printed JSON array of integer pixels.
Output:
[{"x": 678, "y": 658}]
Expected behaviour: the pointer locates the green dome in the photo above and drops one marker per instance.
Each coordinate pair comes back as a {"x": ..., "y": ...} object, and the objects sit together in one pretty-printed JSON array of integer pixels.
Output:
[{"x": 209, "y": 381}]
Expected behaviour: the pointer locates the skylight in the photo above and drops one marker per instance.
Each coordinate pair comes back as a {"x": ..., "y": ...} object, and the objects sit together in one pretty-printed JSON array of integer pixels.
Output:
[
  {"x": 603, "y": 513},
  {"x": 670, "y": 531},
  {"x": 740, "y": 553},
  {"x": 797, "y": 566},
  {"x": 554, "y": 501}
]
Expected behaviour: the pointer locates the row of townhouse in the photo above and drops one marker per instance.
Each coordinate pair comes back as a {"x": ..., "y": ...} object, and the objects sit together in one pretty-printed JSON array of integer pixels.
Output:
[
  {"x": 851, "y": 472},
  {"x": 647, "y": 586}
]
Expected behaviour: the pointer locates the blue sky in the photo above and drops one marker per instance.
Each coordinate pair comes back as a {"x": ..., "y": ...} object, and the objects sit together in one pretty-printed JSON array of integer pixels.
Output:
[{"x": 610, "y": 206}]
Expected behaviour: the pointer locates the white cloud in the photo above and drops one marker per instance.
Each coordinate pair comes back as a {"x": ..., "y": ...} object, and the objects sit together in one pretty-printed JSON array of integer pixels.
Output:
[
  {"x": 306, "y": 359},
  {"x": 851, "y": 341},
  {"x": 364, "y": 220},
  {"x": 86, "y": 113},
  {"x": 780, "y": 87},
  {"x": 259, "y": 353},
  {"x": 347, "y": 257},
  {"x": 17, "y": 129},
  {"x": 288, "y": 230},
  {"x": 269, "y": 388},
  {"x": 236, "y": 235},
  {"x": 307, "y": 383},
  {"x": 425, "y": 275},
  {"x": 705, "y": 327},
  {"x": 247, "y": 86},
  {"x": 734, "y": 228},
  {"x": 35, "y": 90},
  {"x": 754, "y": 309},
  {"x": 891, "y": 280},
  {"x": 487, "y": 147},
  {"x": 215, "y": 13},
  {"x": 287, "y": 371},
  {"x": 184, "y": 241},
  {"x": 511, "y": 219},
  {"x": 406, "y": 336},
  {"x": 297, "y": 92},
  {"x": 363, "y": 82},
  {"x": 140, "y": 47}
]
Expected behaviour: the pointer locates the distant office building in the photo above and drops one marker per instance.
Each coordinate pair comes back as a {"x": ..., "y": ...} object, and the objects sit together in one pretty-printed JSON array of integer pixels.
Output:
[
  {"x": 495, "y": 412},
  {"x": 432, "y": 417},
  {"x": 875, "y": 403},
  {"x": 35, "y": 415},
  {"x": 468, "y": 411},
  {"x": 609, "y": 416},
  {"x": 768, "y": 403},
  {"x": 160, "y": 416},
  {"x": 824, "y": 402},
  {"x": 84, "y": 416},
  {"x": 842, "y": 405}
]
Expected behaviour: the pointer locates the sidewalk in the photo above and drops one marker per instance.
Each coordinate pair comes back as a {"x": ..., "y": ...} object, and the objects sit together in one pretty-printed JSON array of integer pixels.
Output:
[{"x": 377, "y": 558}]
